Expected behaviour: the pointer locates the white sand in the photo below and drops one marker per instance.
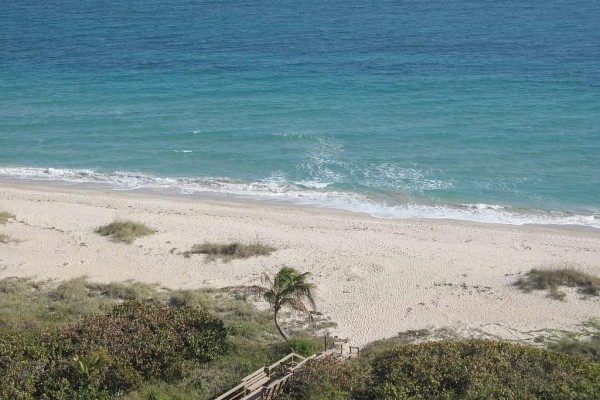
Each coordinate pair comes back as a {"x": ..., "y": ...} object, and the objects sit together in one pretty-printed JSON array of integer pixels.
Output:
[{"x": 375, "y": 277}]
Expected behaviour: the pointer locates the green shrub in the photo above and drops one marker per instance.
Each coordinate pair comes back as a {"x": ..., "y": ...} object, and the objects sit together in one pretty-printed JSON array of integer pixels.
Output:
[
  {"x": 191, "y": 298},
  {"x": 5, "y": 217},
  {"x": 476, "y": 369},
  {"x": 156, "y": 342},
  {"x": 125, "y": 231},
  {"x": 329, "y": 379},
  {"x": 142, "y": 342},
  {"x": 470, "y": 369},
  {"x": 303, "y": 346},
  {"x": 373, "y": 349},
  {"x": 551, "y": 279},
  {"x": 34, "y": 366},
  {"x": 231, "y": 251}
]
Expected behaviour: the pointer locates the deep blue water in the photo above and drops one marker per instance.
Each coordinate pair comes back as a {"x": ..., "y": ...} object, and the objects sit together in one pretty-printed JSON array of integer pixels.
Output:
[{"x": 480, "y": 110}]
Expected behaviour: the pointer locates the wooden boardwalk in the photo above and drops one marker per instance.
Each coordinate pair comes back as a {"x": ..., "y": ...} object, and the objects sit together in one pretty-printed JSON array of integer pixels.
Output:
[{"x": 267, "y": 383}]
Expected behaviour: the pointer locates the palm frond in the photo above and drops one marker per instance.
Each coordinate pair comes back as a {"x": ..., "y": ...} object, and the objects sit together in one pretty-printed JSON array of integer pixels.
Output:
[
  {"x": 311, "y": 299},
  {"x": 296, "y": 305},
  {"x": 271, "y": 297},
  {"x": 265, "y": 278}
]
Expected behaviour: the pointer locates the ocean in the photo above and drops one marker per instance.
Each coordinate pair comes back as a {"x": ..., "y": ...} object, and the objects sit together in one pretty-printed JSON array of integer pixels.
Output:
[{"x": 476, "y": 110}]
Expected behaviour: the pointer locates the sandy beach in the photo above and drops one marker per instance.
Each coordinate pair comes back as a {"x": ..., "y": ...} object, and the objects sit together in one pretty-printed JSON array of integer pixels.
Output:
[{"x": 375, "y": 277}]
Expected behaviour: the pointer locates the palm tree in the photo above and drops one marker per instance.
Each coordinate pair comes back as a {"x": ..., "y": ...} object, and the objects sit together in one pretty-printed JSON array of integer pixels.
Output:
[{"x": 289, "y": 289}]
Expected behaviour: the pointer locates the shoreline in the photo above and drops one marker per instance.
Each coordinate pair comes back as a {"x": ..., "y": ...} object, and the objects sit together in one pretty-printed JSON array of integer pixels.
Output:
[
  {"x": 380, "y": 205},
  {"x": 375, "y": 276},
  {"x": 227, "y": 198}
]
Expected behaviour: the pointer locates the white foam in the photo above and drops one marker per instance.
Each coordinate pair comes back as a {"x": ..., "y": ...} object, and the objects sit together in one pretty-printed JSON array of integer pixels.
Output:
[
  {"x": 391, "y": 175},
  {"x": 312, "y": 184},
  {"x": 277, "y": 187},
  {"x": 483, "y": 206}
]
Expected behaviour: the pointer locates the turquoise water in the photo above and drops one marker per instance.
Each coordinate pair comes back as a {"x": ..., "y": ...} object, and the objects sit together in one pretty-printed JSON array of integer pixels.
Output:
[{"x": 478, "y": 110}]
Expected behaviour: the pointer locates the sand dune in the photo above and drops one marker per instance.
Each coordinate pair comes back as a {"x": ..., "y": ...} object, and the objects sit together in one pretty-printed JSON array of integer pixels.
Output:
[{"x": 375, "y": 277}]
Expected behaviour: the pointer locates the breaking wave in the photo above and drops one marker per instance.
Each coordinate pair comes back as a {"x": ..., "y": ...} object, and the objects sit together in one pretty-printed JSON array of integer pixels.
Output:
[{"x": 277, "y": 187}]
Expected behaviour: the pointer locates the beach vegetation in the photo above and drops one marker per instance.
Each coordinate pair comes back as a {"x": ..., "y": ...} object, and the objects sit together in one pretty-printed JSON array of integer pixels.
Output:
[
  {"x": 108, "y": 354},
  {"x": 230, "y": 251},
  {"x": 4, "y": 239},
  {"x": 452, "y": 369},
  {"x": 305, "y": 346},
  {"x": 552, "y": 279},
  {"x": 289, "y": 288},
  {"x": 28, "y": 304},
  {"x": 46, "y": 325},
  {"x": 125, "y": 231},
  {"x": 330, "y": 379},
  {"x": 585, "y": 343},
  {"x": 5, "y": 216}
]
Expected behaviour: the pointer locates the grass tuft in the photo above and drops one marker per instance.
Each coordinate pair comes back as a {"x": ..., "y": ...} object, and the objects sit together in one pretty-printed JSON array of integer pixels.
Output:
[
  {"x": 551, "y": 279},
  {"x": 4, "y": 238},
  {"x": 5, "y": 216},
  {"x": 228, "y": 252},
  {"x": 125, "y": 231},
  {"x": 586, "y": 344}
]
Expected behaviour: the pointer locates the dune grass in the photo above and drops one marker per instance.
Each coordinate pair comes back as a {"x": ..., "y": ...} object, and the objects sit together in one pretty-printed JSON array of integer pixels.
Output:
[
  {"x": 5, "y": 217},
  {"x": 4, "y": 238},
  {"x": 586, "y": 342},
  {"x": 125, "y": 231},
  {"x": 28, "y": 304},
  {"x": 552, "y": 279},
  {"x": 231, "y": 251}
]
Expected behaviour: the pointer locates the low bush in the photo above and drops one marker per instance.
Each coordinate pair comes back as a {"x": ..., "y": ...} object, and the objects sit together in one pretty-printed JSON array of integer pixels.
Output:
[
  {"x": 469, "y": 369},
  {"x": 125, "y": 231},
  {"x": 551, "y": 279},
  {"x": 139, "y": 342},
  {"x": 329, "y": 379},
  {"x": 192, "y": 298},
  {"x": 231, "y": 251},
  {"x": 152, "y": 342},
  {"x": 303, "y": 346},
  {"x": 5, "y": 217},
  {"x": 373, "y": 349},
  {"x": 475, "y": 369}
]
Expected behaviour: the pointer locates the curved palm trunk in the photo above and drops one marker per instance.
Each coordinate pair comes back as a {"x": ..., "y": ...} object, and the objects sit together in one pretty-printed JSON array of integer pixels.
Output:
[{"x": 281, "y": 331}]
